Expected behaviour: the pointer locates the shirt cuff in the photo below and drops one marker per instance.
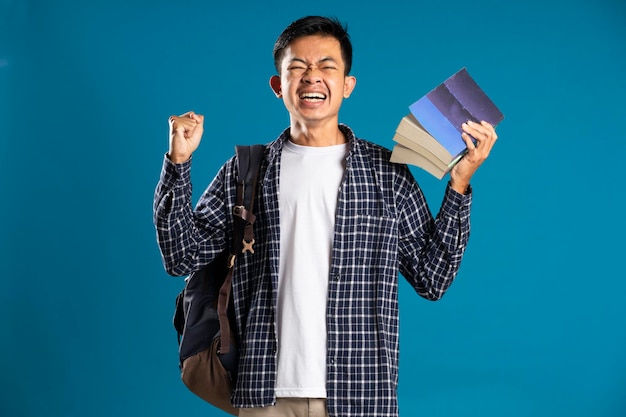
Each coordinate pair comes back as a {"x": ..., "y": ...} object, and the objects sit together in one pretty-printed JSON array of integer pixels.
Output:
[
  {"x": 456, "y": 204},
  {"x": 175, "y": 175}
]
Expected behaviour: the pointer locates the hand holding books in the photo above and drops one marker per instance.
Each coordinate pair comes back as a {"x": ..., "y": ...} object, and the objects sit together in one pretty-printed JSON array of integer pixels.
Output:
[
  {"x": 436, "y": 135},
  {"x": 479, "y": 139}
]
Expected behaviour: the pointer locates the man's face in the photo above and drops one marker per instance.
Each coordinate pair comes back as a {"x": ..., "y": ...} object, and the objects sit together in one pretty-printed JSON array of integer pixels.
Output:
[{"x": 312, "y": 81}]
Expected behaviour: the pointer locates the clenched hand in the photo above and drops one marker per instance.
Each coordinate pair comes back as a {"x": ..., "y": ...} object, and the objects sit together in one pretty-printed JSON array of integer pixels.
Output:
[{"x": 185, "y": 135}]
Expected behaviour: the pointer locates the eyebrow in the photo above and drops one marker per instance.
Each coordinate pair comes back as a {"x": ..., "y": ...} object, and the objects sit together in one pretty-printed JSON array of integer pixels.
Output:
[{"x": 325, "y": 59}]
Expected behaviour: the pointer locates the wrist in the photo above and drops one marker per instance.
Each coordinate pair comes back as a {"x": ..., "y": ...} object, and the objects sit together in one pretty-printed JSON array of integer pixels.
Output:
[
  {"x": 461, "y": 187},
  {"x": 178, "y": 159}
]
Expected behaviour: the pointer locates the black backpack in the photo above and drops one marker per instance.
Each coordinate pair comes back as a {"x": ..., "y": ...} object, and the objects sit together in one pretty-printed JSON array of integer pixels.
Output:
[{"x": 204, "y": 315}]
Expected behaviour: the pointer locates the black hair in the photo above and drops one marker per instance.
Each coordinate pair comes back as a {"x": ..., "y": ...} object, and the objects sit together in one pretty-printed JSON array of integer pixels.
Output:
[{"x": 315, "y": 25}]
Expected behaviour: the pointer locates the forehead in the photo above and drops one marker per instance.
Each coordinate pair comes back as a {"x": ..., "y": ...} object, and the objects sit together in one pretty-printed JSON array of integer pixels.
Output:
[{"x": 313, "y": 48}]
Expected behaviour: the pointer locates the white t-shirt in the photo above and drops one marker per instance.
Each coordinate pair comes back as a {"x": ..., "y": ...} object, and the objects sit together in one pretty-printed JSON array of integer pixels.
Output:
[{"x": 309, "y": 182}]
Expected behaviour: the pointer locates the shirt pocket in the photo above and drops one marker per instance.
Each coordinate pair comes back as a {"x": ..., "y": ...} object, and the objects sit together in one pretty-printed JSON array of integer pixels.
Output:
[{"x": 376, "y": 240}]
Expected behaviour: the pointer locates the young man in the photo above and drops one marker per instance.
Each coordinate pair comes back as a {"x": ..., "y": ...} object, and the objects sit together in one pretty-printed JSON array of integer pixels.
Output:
[{"x": 317, "y": 303}]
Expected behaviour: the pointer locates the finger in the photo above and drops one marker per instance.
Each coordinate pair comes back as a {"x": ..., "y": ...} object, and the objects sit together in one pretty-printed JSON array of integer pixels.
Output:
[
  {"x": 188, "y": 120},
  {"x": 182, "y": 125},
  {"x": 471, "y": 133},
  {"x": 189, "y": 116},
  {"x": 488, "y": 125},
  {"x": 199, "y": 119},
  {"x": 199, "y": 128},
  {"x": 469, "y": 142},
  {"x": 491, "y": 130},
  {"x": 481, "y": 132},
  {"x": 488, "y": 139},
  {"x": 185, "y": 121}
]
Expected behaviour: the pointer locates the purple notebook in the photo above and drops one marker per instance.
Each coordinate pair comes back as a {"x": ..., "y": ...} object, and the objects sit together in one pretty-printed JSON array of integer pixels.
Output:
[{"x": 453, "y": 102}]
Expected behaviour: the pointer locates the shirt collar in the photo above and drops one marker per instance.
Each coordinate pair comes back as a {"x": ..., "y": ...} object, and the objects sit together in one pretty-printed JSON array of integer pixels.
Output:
[{"x": 277, "y": 145}]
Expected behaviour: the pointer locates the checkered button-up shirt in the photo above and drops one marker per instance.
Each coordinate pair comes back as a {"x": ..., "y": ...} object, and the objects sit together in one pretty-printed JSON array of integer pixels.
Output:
[{"x": 383, "y": 226}]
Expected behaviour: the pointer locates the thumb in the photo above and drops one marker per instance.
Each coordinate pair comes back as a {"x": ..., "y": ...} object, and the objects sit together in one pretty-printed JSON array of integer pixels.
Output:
[
  {"x": 199, "y": 128},
  {"x": 177, "y": 128},
  {"x": 198, "y": 118}
]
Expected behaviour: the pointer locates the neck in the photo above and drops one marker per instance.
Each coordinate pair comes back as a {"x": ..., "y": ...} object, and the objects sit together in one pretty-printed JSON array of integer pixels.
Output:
[{"x": 328, "y": 135}]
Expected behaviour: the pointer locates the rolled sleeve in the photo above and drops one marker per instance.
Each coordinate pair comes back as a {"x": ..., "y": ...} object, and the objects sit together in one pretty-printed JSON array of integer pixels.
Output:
[{"x": 456, "y": 205}]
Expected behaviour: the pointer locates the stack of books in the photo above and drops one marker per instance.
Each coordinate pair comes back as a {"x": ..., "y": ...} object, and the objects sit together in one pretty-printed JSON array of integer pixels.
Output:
[{"x": 429, "y": 136}]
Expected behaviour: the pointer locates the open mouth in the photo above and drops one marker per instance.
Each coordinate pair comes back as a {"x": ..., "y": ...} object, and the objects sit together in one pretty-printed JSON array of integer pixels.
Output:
[{"x": 312, "y": 97}]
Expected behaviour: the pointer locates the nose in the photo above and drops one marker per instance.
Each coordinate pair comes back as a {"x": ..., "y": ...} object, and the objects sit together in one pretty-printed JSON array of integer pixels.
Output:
[{"x": 312, "y": 75}]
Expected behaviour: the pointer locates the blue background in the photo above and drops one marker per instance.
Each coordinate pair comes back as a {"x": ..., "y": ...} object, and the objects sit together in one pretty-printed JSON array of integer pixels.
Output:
[{"x": 535, "y": 324}]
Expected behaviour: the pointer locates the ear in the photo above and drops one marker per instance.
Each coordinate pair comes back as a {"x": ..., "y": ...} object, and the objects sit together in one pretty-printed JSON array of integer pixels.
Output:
[
  {"x": 275, "y": 85},
  {"x": 348, "y": 85}
]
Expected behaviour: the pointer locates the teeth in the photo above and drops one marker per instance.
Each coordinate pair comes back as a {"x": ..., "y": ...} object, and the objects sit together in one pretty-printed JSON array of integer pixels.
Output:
[{"x": 317, "y": 96}]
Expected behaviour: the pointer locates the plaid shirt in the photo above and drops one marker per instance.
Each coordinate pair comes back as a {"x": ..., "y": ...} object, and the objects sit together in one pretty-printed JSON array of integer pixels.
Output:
[{"x": 383, "y": 226}]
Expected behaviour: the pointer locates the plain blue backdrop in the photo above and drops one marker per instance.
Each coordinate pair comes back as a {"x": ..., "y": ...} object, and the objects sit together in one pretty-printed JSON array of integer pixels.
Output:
[{"x": 535, "y": 324}]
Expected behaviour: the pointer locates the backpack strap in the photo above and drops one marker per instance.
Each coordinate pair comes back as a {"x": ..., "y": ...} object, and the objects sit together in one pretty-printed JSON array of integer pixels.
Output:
[{"x": 249, "y": 160}]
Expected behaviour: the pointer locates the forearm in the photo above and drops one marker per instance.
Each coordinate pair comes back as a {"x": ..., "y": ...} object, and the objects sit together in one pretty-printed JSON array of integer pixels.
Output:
[
  {"x": 185, "y": 238},
  {"x": 461, "y": 186},
  {"x": 435, "y": 252}
]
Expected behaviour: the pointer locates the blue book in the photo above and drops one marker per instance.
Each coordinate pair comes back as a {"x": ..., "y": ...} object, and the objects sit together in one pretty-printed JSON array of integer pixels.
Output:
[{"x": 434, "y": 122}]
